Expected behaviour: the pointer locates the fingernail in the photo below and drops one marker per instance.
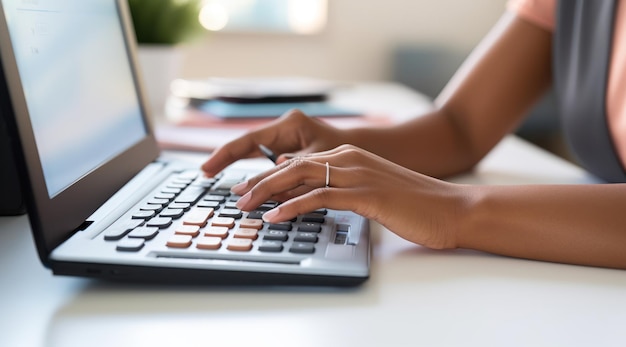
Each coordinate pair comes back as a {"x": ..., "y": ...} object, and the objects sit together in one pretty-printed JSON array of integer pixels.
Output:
[
  {"x": 243, "y": 201},
  {"x": 267, "y": 216},
  {"x": 239, "y": 187}
]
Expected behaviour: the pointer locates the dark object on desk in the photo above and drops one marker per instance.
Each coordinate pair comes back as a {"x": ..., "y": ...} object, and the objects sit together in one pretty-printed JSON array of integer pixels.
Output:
[
  {"x": 11, "y": 201},
  {"x": 274, "y": 99},
  {"x": 233, "y": 98}
]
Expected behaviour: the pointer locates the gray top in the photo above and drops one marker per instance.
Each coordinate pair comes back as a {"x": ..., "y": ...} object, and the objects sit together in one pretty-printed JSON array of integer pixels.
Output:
[{"x": 582, "y": 53}]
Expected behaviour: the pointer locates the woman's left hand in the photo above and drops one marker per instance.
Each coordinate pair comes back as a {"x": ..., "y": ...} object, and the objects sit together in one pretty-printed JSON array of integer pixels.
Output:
[{"x": 418, "y": 208}]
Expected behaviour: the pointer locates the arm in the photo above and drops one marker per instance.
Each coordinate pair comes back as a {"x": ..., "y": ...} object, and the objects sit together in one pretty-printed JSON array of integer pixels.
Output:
[
  {"x": 582, "y": 224},
  {"x": 576, "y": 224},
  {"x": 485, "y": 100}
]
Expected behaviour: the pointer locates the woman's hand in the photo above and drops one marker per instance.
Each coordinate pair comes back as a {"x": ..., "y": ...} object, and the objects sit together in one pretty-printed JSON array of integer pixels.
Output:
[
  {"x": 418, "y": 208},
  {"x": 294, "y": 133}
]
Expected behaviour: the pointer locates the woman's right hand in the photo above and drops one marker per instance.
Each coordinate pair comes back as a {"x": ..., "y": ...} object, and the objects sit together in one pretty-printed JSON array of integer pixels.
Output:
[{"x": 293, "y": 133}]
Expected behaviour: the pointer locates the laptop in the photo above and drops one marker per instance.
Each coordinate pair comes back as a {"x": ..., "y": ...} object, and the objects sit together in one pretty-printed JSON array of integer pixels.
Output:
[
  {"x": 11, "y": 202},
  {"x": 101, "y": 199}
]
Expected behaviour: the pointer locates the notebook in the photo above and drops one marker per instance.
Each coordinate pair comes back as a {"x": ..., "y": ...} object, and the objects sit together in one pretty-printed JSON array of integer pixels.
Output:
[{"x": 102, "y": 201}]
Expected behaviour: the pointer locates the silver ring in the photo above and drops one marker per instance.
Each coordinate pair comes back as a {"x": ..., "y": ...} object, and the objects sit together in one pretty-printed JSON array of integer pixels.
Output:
[{"x": 327, "y": 174}]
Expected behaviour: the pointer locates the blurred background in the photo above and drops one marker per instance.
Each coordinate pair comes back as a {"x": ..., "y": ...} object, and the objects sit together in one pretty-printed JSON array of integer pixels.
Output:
[{"x": 415, "y": 42}]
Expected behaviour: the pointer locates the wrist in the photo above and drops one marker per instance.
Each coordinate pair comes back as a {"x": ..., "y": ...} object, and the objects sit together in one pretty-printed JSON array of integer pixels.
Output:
[{"x": 472, "y": 209}]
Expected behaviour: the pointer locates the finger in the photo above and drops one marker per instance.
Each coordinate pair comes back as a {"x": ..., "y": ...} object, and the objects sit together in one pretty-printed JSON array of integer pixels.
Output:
[
  {"x": 244, "y": 187},
  {"x": 327, "y": 197},
  {"x": 290, "y": 194},
  {"x": 243, "y": 147},
  {"x": 247, "y": 145},
  {"x": 290, "y": 176}
]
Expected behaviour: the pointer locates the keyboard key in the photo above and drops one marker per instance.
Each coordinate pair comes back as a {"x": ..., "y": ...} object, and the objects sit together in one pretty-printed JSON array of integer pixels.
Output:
[
  {"x": 245, "y": 233},
  {"x": 130, "y": 245},
  {"x": 234, "y": 198},
  {"x": 223, "y": 222},
  {"x": 241, "y": 245},
  {"x": 117, "y": 232},
  {"x": 221, "y": 232},
  {"x": 218, "y": 198},
  {"x": 165, "y": 196},
  {"x": 313, "y": 218},
  {"x": 230, "y": 204},
  {"x": 275, "y": 235},
  {"x": 191, "y": 230},
  {"x": 271, "y": 246},
  {"x": 155, "y": 201},
  {"x": 179, "y": 241},
  {"x": 146, "y": 233},
  {"x": 302, "y": 248},
  {"x": 160, "y": 222},
  {"x": 209, "y": 204},
  {"x": 177, "y": 185},
  {"x": 286, "y": 226},
  {"x": 180, "y": 205},
  {"x": 251, "y": 223},
  {"x": 143, "y": 214},
  {"x": 198, "y": 217},
  {"x": 212, "y": 243},
  {"x": 266, "y": 206},
  {"x": 188, "y": 174},
  {"x": 173, "y": 213},
  {"x": 256, "y": 214},
  {"x": 191, "y": 195},
  {"x": 310, "y": 227},
  {"x": 182, "y": 180},
  {"x": 321, "y": 211},
  {"x": 174, "y": 191},
  {"x": 229, "y": 181},
  {"x": 305, "y": 237},
  {"x": 151, "y": 207},
  {"x": 222, "y": 192},
  {"x": 204, "y": 182},
  {"x": 231, "y": 212}
]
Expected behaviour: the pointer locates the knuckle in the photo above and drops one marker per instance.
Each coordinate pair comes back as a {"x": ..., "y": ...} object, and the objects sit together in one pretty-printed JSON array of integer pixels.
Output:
[
  {"x": 294, "y": 115},
  {"x": 346, "y": 147},
  {"x": 299, "y": 163}
]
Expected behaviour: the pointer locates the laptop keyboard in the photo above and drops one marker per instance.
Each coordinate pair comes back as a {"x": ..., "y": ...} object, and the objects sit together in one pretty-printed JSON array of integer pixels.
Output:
[{"x": 190, "y": 212}]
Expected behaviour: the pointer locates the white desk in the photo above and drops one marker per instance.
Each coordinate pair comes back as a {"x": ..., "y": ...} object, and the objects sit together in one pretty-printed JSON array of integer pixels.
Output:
[{"x": 415, "y": 296}]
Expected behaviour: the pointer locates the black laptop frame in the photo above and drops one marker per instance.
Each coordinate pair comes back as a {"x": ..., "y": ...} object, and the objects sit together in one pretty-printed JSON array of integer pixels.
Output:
[
  {"x": 54, "y": 220},
  {"x": 11, "y": 199}
]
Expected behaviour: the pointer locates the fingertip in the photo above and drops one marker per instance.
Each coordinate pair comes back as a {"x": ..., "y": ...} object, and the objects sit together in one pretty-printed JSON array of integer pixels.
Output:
[
  {"x": 208, "y": 170},
  {"x": 239, "y": 188},
  {"x": 271, "y": 215}
]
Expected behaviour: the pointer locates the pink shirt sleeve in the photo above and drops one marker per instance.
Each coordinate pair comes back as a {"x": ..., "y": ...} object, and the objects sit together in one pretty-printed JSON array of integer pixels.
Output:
[{"x": 539, "y": 12}]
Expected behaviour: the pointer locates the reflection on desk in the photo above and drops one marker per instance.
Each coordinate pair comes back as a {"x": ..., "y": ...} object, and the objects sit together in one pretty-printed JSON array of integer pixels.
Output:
[{"x": 415, "y": 296}]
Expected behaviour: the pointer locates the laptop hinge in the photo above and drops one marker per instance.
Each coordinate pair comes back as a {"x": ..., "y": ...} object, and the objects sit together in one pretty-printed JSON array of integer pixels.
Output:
[{"x": 83, "y": 226}]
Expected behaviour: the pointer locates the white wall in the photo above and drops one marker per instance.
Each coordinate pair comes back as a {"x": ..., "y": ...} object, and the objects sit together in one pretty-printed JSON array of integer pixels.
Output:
[{"x": 356, "y": 45}]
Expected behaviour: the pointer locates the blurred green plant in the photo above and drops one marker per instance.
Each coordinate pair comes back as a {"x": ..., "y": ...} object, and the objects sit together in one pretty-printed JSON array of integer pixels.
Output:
[{"x": 166, "y": 22}]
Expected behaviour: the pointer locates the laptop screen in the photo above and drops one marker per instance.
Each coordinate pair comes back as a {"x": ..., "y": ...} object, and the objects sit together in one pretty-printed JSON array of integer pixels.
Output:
[
  {"x": 78, "y": 86},
  {"x": 77, "y": 112}
]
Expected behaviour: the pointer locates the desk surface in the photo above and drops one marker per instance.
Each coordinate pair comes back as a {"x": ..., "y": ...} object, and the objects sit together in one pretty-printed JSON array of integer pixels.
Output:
[{"x": 414, "y": 296}]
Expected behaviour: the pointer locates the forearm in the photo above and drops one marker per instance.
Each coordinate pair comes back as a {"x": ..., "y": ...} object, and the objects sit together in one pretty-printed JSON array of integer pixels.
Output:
[
  {"x": 582, "y": 224},
  {"x": 429, "y": 144},
  {"x": 486, "y": 99}
]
